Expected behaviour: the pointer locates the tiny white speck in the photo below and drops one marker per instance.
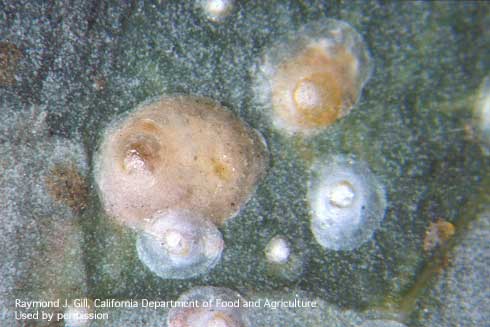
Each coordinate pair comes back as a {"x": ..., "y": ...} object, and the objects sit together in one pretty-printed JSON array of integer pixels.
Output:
[{"x": 277, "y": 251}]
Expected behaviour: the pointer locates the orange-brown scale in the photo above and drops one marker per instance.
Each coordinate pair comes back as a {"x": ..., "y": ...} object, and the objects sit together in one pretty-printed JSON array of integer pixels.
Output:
[
  {"x": 438, "y": 234},
  {"x": 332, "y": 75},
  {"x": 186, "y": 153}
]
